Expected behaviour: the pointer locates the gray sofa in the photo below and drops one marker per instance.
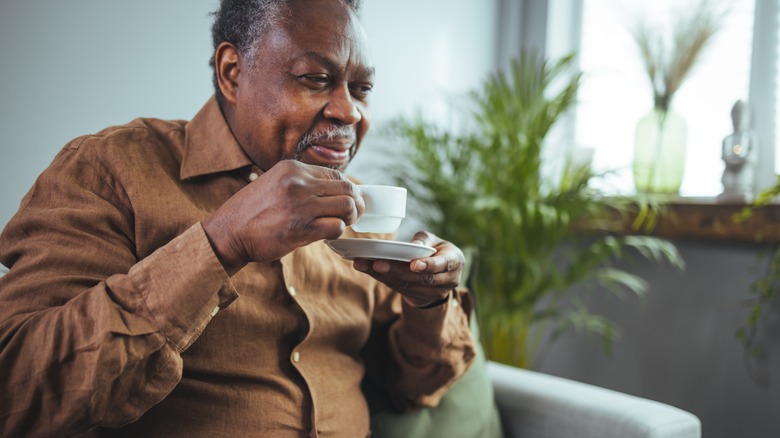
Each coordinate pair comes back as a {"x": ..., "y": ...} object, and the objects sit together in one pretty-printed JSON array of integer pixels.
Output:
[{"x": 536, "y": 405}]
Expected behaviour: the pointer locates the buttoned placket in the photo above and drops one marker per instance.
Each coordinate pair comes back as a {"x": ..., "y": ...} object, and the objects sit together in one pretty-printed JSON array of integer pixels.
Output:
[
  {"x": 296, "y": 354},
  {"x": 297, "y": 358},
  {"x": 254, "y": 173}
]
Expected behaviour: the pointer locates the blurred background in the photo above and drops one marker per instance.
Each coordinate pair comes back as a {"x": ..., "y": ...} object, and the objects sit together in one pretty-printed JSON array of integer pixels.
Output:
[{"x": 75, "y": 67}]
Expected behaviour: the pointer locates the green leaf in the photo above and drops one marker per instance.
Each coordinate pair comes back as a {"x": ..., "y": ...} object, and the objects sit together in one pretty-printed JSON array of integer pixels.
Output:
[
  {"x": 479, "y": 184},
  {"x": 616, "y": 280}
]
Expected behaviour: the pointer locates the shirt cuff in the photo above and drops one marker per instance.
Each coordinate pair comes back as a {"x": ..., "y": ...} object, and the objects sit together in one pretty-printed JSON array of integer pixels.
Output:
[
  {"x": 429, "y": 325},
  {"x": 183, "y": 285}
]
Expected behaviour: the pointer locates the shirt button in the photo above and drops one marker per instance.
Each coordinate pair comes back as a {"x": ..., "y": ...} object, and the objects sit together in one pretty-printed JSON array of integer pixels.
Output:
[
  {"x": 253, "y": 176},
  {"x": 296, "y": 356},
  {"x": 292, "y": 291},
  {"x": 214, "y": 312}
]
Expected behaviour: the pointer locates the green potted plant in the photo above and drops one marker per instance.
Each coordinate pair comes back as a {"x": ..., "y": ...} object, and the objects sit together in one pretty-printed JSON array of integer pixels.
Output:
[{"x": 482, "y": 187}]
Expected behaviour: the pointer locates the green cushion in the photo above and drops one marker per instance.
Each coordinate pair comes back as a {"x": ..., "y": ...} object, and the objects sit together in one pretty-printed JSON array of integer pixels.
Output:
[{"x": 467, "y": 410}]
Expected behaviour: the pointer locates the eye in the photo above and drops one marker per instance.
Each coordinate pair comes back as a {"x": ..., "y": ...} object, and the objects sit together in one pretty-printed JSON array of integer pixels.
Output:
[
  {"x": 314, "y": 80},
  {"x": 362, "y": 89}
]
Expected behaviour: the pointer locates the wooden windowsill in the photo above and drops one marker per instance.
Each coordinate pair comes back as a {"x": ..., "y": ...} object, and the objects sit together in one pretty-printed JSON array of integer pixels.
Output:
[{"x": 713, "y": 219}]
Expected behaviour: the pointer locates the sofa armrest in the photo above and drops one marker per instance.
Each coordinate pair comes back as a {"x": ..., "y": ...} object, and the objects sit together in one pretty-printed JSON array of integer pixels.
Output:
[{"x": 536, "y": 405}]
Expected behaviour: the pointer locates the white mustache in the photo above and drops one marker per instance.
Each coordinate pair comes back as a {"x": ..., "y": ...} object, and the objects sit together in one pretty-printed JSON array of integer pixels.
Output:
[{"x": 331, "y": 133}]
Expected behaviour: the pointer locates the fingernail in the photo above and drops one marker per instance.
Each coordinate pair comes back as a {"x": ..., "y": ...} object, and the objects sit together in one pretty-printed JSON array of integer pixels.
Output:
[
  {"x": 360, "y": 265},
  {"x": 418, "y": 242},
  {"x": 382, "y": 267},
  {"x": 419, "y": 265}
]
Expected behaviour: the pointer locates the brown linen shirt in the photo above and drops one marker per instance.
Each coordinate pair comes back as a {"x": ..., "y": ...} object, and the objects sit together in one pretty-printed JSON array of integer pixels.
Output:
[{"x": 116, "y": 312}]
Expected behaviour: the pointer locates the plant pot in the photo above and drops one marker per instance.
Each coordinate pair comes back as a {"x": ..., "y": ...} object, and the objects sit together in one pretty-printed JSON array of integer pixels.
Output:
[{"x": 659, "y": 152}]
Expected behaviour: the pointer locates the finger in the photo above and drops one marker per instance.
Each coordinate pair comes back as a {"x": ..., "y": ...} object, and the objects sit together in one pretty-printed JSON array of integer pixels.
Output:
[
  {"x": 340, "y": 206},
  {"x": 342, "y": 187},
  {"x": 419, "y": 294},
  {"x": 361, "y": 265},
  {"x": 425, "y": 238},
  {"x": 330, "y": 228},
  {"x": 411, "y": 288},
  {"x": 398, "y": 276},
  {"x": 327, "y": 181},
  {"x": 416, "y": 294},
  {"x": 327, "y": 173},
  {"x": 449, "y": 262},
  {"x": 422, "y": 281},
  {"x": 443, "y": 261}
]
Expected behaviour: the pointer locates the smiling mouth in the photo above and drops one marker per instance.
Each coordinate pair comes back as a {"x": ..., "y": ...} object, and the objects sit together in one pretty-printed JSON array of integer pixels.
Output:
[
  {"x": 333, "y": 147},
  {"x": 330, "y": 153}
]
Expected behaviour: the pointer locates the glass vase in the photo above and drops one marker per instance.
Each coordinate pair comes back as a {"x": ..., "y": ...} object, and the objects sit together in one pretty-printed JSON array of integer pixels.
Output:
[{"x": 659, "y": 152}]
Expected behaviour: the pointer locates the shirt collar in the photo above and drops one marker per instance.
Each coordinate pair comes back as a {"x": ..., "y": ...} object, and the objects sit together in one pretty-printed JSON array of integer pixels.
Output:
[{"x": 210, "y": 146}]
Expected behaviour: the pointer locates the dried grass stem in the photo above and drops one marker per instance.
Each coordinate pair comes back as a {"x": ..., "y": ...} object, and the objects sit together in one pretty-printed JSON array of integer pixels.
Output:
[{"x": 669, "y": 62}]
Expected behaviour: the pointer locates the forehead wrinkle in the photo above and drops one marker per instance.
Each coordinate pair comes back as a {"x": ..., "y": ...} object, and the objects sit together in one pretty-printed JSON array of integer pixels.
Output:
[
  {"x": 317, "y": 57},
  {"x": 342, "y": 37}
]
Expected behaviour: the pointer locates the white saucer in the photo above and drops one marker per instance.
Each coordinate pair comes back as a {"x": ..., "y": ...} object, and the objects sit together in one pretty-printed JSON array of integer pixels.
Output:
[{"x": 356, "y": 248}]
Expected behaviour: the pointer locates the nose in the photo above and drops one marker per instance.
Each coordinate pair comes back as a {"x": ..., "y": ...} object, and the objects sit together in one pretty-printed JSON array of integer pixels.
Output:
[{"x": 342, "y": 108}]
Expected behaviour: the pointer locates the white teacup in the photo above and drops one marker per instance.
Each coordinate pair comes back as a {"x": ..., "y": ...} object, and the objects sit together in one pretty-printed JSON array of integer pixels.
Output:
[{"x": 385, "y": 208}]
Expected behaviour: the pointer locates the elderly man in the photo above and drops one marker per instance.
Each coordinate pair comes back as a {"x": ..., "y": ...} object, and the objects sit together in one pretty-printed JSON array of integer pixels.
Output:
[{"x": 170, "y": 279}]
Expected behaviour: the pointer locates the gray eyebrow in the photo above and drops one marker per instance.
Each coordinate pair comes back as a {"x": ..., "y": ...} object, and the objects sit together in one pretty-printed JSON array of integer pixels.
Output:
[{"x": 331, "y": 65}]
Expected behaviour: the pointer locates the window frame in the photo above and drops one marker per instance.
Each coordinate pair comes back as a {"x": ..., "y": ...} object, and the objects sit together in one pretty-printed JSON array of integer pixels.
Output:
[{"x": 763, "y": 76}]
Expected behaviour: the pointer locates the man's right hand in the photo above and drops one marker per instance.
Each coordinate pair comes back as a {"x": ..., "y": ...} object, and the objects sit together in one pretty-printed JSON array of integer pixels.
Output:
[{"x": 291, "y": 205}]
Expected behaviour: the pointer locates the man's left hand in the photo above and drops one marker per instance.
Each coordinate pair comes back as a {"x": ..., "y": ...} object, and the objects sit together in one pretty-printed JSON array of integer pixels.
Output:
[{"x": 422, "y": 281}]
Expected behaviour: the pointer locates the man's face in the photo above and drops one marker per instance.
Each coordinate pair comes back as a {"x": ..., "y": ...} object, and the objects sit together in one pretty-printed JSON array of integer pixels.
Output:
[{"x": 306, "y": 96}]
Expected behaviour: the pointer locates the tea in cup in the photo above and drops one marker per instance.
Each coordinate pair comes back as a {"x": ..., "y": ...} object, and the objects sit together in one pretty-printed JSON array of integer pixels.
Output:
[{"x": 385, "y": 208}]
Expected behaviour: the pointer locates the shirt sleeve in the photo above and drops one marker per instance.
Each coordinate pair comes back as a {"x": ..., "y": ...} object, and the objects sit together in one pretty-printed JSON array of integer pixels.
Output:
[
  {"x": 429, "y": 350},
  {"x": 89, "y": 335}
]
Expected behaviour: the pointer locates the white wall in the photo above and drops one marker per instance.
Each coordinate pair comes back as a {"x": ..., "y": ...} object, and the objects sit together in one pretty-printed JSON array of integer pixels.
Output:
[
  {"x": 75, "y": 67},
  {"x": 428, "y": 54}
]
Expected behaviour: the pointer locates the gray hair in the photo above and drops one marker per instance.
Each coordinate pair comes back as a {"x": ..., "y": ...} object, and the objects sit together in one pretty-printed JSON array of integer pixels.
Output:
[{"x": 242, "y": 22}]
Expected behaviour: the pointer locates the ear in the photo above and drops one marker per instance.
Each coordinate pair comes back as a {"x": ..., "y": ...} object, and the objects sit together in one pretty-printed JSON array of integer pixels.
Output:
[{"x": 227, "y": 67}]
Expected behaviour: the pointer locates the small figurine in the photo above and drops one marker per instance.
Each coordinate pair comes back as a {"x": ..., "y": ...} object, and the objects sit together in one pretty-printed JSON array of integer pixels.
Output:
[{"x": 739, "y": 154}]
